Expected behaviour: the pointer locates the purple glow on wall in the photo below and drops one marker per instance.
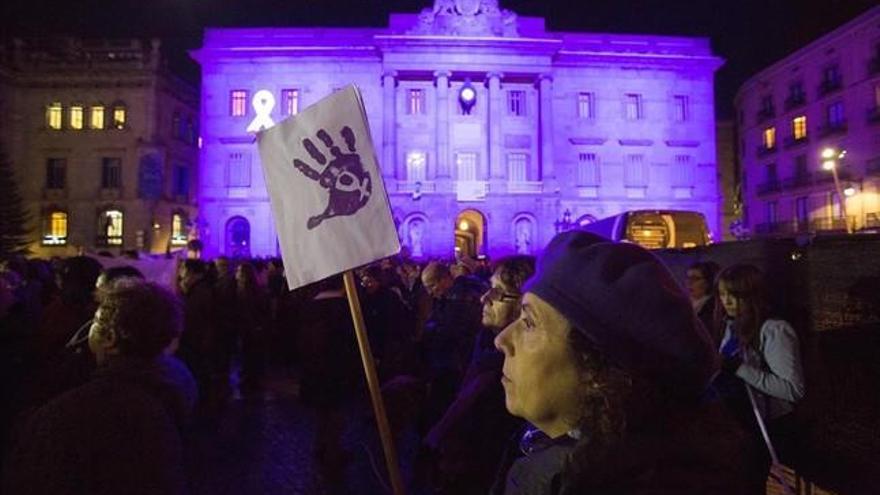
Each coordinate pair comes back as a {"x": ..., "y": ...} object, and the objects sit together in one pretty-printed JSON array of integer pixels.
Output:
[{"x": 555, "y": 126}]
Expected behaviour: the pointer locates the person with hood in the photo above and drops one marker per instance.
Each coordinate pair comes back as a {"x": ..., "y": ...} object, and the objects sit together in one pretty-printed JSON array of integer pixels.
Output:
[
  {"x": 121, "y": 431},
  {"x": 611, "y": 368}
]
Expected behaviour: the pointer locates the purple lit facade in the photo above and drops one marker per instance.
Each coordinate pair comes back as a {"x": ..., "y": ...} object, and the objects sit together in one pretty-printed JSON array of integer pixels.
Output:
[{"x": 565, "y": 128}]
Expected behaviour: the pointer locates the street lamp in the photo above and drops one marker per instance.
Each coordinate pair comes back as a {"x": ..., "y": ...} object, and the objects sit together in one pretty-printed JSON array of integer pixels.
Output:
[
  {"x": 830, "y": 157},
  {"x": 565, "y": 223}
]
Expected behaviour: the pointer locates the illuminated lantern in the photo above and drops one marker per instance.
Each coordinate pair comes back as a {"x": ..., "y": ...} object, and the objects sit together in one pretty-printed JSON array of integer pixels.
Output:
[{"x": 467, "y": 97}]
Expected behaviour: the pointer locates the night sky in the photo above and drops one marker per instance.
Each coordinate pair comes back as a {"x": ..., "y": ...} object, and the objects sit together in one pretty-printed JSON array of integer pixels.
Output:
[{"x": 749, "y": 34}]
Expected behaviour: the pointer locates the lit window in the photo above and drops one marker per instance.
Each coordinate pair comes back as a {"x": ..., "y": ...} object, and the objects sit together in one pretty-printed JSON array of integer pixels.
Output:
[
  {"x": 111, "y": 227},
  {"x": 633, "y": 107},
  {"x": 96, "y": 120},
  {"x": 466, "y": 166},
  {"x": 516, "y": 103},
  {"x": 769, "y": 138},
  {"x": 178, "y": 229},
  {"x": 238, "y": 170},
  {"x": 799, "y": 127},
  {"x": 56, "y": 173},
  {"x": 289, "y": 101},
  {"x": 53, "y": 115},
  {"x": 119, "y": 116},
  {"x": 588, "y": 169},
  {"x": 55, "y": 231},
  {"x": 416, "y": 164},
  {"x": 238, "y": 102},
  {"x": 682, "y": 110},
  {"x": 415, "y": 101},
  {"x": 111, "y": 173},
  {"x": 517, "y": 167},
  {"x": 586, "y": 105},
  {"x": 76, "y": 117}
]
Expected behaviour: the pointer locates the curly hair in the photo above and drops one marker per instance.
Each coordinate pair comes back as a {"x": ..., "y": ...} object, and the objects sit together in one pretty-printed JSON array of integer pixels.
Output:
[{"x": 145, "y": 316}]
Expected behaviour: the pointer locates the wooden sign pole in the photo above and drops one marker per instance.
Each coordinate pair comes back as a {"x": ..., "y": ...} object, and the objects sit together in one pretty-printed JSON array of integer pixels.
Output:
[{"x": 373, "y": 384}]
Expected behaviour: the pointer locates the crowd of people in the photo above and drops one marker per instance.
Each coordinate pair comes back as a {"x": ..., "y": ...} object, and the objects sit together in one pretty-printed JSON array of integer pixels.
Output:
[{"x": 588, "y": 370}]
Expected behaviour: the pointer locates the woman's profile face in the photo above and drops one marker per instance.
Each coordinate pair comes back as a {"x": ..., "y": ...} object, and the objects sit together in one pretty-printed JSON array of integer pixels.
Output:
[
  {"x": 541, "y": 378},
  {"x": 728, "y": 301}
]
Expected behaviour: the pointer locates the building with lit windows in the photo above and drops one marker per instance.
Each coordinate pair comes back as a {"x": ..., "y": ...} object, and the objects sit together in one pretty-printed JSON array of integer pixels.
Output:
[
  {"x": 492, "y": 132},
  {"x": 825, "y": 95},
  {"x": 104, "y": 143}
]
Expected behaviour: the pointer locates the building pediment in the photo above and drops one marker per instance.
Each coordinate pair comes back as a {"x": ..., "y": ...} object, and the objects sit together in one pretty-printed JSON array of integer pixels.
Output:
[{"x": 466, "y": 18}]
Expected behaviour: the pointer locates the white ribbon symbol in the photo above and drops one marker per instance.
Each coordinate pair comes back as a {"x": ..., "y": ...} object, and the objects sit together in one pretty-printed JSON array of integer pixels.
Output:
[
  {"x": 263, "y": 103},
  {"x": 354, "y": 184}
]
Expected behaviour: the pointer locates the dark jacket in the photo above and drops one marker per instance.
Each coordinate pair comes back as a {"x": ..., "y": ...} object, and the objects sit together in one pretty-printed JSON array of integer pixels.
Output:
[
  {"x": 452, "y": 326},
  {"x": 118, "y": 433},
  {"x": 699, "y": 450},
  {"x": 469, "y": 440}
]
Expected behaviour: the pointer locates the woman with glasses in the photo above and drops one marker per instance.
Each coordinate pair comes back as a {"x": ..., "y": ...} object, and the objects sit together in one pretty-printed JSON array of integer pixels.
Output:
[
  {"x": 610, "y": 368},
  {"x": 468, "y": 440}
]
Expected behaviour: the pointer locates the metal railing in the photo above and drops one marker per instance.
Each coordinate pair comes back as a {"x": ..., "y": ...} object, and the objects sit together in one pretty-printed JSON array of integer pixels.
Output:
[
  {"x": 771, "y": 186},
  {"x": 797, "y": 181},
  {"x": 829, "y": 86},
  {"x": 764, "y": 114},
  {"x": 794, "y": 101},
  {"x": 790, "y": 141},
  {"x": 762, "y": 150},
  {"x": 831, "y": 128}
]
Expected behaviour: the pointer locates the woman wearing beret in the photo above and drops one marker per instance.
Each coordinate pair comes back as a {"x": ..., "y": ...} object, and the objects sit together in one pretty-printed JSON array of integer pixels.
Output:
[
  {"x": 761, "y": 353},
  {"x": 610, "y": 367}
]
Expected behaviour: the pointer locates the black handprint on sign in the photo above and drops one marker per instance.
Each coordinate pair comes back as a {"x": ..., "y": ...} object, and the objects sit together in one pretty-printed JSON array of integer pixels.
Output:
[{"x": 344, "y": 176}]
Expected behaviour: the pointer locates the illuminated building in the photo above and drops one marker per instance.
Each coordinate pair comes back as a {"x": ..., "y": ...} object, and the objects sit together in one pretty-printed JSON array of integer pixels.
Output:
[
  {"x": 103, "y": 140},
  {"x": 826, "y": 94},
  {"x": 491, "y": 131}
]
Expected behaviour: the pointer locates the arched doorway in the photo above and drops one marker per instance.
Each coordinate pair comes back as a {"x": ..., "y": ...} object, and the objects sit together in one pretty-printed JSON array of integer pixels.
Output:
[
  {"x": 238, "y": 238},
  {"x": 470, "y": 233}
]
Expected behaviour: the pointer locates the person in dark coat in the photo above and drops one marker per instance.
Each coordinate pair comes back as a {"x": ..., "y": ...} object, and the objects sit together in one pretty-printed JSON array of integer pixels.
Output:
[
  {"x": 468, "y": 441},
  {"x": 332, "y": 378},
  {"x": 120, "y": 432},
  {"x": 611, "y": 368},
  {"x": 199, "y": 343},
  {"x": 700, "y": 284},
  {"x": 453, "y": 324}
]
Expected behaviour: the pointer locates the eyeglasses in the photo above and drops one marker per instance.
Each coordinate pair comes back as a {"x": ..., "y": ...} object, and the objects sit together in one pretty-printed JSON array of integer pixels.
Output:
[{"x": 497, "y": 294}]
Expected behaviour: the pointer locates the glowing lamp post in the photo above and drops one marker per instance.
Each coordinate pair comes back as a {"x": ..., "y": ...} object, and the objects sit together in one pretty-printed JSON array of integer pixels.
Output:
[{"x": 830, "y": 157}]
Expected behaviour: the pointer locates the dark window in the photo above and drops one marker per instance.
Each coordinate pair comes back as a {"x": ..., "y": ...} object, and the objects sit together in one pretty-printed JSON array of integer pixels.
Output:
[
  {"x": 181, "y": 180},
  {"x": 111, "y": 173},
  {"x": 800, "y": 166},
  {"x": 56, "y": 173}
]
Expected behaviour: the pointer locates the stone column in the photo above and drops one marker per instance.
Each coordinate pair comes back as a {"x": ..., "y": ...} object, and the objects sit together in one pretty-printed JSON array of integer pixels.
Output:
[
  {"x": 441, "y": 81},
  {"x": 548, "y": 171},
  {"x": 496, "y": 112},
  {"x": 389, "y": 125}
]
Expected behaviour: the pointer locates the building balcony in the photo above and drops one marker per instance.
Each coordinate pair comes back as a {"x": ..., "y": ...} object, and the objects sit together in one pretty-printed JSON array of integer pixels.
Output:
[
  {"x": 762, "y": 150},
  {"x": 795, "y": 101},
  {"x": 764, "y": 114},
  {"x": 830, "y": 86},
  {"x": 826, "y": 176},
  {"x": 829, "y": 224},
  {"x": 832, "y": 128},
  {"x": 797, "y": 182},
  {"x": 108, "y": 241},
  {"x": 110, "y": 193},
  {"x": 791, "y": 141},
  {"x": 872, "y": 115},
  {"x": 471, "y": 190},
  {"x": 54, "y": 194},
  {"x": 528, "y": 187},
  {"x": 416, "y": 186},
  {"x": 774, "y": 228},
  {"x": 769, "y": 187}
]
